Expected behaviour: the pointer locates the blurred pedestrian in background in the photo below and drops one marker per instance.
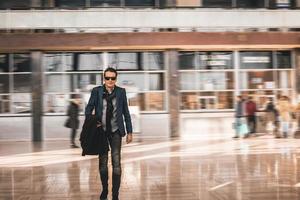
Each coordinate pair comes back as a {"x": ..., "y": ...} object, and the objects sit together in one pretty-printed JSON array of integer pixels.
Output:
[
  {"x": 73, "y": 118},
  {"x": 272, "y": 117},
  {"x": 251, "y": 115},
  {"x": 241, "y": 127},
  {"x": 285, "y": 110}
]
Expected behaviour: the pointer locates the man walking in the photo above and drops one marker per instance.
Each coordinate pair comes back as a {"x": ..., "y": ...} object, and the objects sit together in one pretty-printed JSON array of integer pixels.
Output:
[
  {"x": 251, "y": 117},
  {"x": 110, "y": 104}
]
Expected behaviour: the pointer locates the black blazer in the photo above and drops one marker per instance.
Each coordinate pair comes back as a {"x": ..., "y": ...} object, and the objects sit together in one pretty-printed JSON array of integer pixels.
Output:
[
  {"x": 93, "y": 140},
  {"x": 96, "y": 102}
]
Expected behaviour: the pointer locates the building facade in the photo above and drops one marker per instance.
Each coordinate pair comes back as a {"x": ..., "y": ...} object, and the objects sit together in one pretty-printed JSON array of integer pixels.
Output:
[{"x": 187, "y": 62}]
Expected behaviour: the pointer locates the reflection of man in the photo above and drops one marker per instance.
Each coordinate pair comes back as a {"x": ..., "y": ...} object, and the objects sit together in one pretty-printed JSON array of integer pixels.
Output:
[{"x": 110, "y": 104}]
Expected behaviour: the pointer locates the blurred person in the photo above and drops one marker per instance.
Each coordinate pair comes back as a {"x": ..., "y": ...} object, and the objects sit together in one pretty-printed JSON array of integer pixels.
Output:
[
  {"x": 272, "y": 116},
  {"x": 251, "y": 115},
  {"x": 110, "y": 104},
  {"x": 285, "y": 110},
  {"x": 73, "y": 120},
  {"x": 240, "y": 114},
  {"x": 297, "y": 115}
]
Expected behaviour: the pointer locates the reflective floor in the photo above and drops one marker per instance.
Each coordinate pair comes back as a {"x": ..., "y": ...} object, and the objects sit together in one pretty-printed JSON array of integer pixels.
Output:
[{"x": 204, "y": 168}]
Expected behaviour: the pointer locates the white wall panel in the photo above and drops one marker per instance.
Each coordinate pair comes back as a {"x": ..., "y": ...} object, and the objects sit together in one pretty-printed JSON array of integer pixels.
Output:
[{"x": 111, "y": 18}]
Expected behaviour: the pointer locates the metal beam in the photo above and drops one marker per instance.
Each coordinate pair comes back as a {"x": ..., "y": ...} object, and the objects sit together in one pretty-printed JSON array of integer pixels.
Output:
[{"x": 149, "y": 41}]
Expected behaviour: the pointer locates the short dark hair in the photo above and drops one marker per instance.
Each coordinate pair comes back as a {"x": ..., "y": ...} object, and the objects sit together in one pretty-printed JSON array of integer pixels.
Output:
[{"x": 110, "y": 69}]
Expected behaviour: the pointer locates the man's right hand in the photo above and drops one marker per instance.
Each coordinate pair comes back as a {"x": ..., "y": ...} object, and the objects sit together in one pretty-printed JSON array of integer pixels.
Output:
[{"x": 99, "y": 124}]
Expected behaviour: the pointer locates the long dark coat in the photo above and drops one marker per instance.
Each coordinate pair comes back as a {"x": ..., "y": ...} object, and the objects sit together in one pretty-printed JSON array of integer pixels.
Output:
[
  {"x": 73, "y": 113},
  {"x": 93, "y": 140}
]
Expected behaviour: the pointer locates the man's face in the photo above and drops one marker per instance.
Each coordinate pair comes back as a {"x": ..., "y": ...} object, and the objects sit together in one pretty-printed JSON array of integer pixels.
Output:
[{"x": 110, "y": 79}]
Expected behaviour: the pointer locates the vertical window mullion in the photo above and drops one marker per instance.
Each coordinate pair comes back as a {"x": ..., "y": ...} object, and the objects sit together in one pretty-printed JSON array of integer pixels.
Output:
[{"x": 11, "y": 81}]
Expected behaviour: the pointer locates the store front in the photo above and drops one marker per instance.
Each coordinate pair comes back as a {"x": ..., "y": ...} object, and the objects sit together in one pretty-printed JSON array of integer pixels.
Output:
[
  {"x": 210, "y": 80},
  {"x": 163, "y": 84}
]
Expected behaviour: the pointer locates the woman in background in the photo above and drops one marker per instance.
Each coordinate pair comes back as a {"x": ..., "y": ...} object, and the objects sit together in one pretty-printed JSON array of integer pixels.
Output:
[
  {"x": 73, "y": 113},
  {"x": 285, "y": 109}
]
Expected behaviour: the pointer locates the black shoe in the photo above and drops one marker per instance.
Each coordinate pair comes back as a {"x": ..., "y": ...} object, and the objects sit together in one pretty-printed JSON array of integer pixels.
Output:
[
  {"x": 115, "y": 198},
  {"x": 74, "y": 146},
  {"x": 103, "y": 195},
  {"x": 235, "y": 137}
]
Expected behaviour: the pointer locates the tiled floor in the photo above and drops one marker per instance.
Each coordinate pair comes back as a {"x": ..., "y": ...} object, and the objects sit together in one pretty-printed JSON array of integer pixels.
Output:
[{"x": 202, "y": 168}]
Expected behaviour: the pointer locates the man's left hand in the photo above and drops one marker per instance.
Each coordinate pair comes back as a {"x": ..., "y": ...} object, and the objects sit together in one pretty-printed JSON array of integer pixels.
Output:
[{"x": 129, "y": 138}]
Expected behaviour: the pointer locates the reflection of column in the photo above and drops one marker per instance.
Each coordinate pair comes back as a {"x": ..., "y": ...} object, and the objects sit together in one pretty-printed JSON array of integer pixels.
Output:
[
  {"x": 297, "y": 67},
  {"x": 176, "y": 180},
  {"x": 74, "y": 179},
  {"x": 37, "y": 95},
  {"x": 173, "y": 91}
]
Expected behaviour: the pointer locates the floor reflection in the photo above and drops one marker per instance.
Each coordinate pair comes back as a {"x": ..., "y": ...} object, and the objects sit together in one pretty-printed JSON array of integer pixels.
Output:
[{"x": 259, "y": 168}]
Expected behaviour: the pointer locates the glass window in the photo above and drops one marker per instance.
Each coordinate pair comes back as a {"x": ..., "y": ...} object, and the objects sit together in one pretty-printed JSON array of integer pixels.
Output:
[
  {"x": 21, "y": 63},
  {"x": 153, "y": 61},
  {"x": 132, "y": 80},
  {"x": 256, "y": 60},
  {"x": 15, "y": 4},
  {"x": 125, "y": 61},
  {"x": 257, "y": 80},
  {"x": 22, "y": 83},
  {"x": 217, "y": 3},
  {"x": 188, "y": 81},
  {"x": 53, "y": 62},
  {"x": 90, "y": 61},
  {"x": 188, "y": 3},
  {"x": 83, "y": 82},
  {"x": 207, "y": 100},
  {"x": 139, "y": 2},
  {"x": 56, "y": 103},
  {"x": 283, "y": 59},
  {"x": 95, "y": 3},
  {"x": 153, "y": 102},
  {"x": 284, "y": 79},
  {"x": 296, "y": 3},
  {"x": 21, "y": 103},
  {"x": 282, "y": 3},
  {"x": 187, "y": 60},
  {"x": 189, "y": 101},
  {"x": 215, "y": 60},
  {"x": 216, "y": 80},
  {"x": 4, "y": 83},
  {"x": 55, "y": 83},
  {"x": 4, "y": 65},
  {"x": 4, "y": 104},
  {"x": 250, "y": 3},
  {"x": 70, "y": 3},
  {"x": 225, "y": 100},
  {"x": 59, "y": 62},
  {"x": 133, "y": 97},
  {"x": 156, "y": 81}
]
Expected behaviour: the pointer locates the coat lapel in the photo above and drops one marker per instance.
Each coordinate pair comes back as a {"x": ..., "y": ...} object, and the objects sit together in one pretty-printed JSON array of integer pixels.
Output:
[
  {"x": 100, "y": 100},
  {"x": 118, "y": 97}
]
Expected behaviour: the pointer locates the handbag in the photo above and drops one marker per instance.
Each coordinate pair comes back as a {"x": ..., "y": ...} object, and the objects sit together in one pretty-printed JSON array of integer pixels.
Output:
[
  {"x": 243, "y": 127},
  {"x": 67, "y": 123}
]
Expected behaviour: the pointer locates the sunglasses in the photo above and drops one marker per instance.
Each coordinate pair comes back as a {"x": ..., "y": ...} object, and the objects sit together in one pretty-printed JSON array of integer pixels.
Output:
[{"x": 110, "y": 78}]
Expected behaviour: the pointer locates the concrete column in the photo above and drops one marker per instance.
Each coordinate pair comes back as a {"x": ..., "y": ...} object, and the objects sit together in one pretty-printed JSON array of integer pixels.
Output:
[
  {"x": 173, "y": 92},
  {"x": 37, "y": 95},
  {"x": 297, "y": 68}
]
